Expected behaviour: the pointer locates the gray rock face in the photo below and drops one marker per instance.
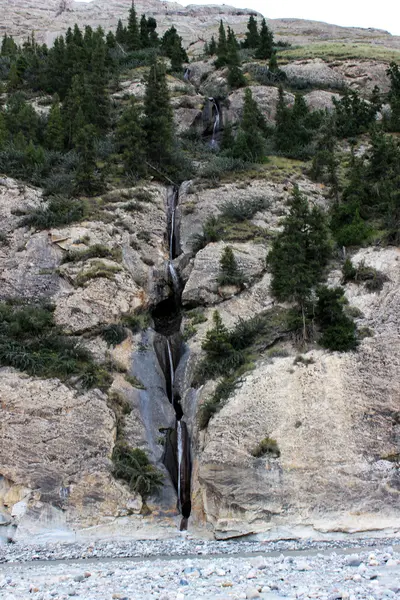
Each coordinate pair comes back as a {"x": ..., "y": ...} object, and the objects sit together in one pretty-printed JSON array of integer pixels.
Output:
[
  {"x": 202, "y": 286},
  {"x": 315, "y": 72}
]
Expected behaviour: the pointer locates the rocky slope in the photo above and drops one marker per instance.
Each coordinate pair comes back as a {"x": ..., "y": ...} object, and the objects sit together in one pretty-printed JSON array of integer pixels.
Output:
[{"x": 195, "y": 23}]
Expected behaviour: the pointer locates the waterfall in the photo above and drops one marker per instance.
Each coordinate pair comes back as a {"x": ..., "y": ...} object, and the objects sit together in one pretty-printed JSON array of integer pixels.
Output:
[
  {"x": 171, "y": 267},
  {"x": 171, "y": 368},
  {"x": 180, "y": 456},
  {"x": 167, "y": 321},
  {"x": 186, "y": 75},
  {"x": 216, "y": 123}
]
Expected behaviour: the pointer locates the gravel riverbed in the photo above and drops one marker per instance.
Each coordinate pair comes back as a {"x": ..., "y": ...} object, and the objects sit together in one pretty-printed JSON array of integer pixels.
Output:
[{"x": 339, "y": 573}]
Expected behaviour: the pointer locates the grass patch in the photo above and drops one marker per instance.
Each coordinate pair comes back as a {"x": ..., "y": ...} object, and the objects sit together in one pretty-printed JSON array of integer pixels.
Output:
[
  {"x": 31, "y": 341},
  {"x": 98, "y": 270},
  {"x": 134, "y": 382},
  {"x": 95, "y": 251},
  {"x": 332, "y": 51}
]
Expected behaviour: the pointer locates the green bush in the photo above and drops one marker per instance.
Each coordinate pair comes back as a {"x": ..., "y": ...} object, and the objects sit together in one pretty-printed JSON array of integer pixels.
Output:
[
  {"x": 338, "y": 330},
  {"x": 98, "y": 270},
  {"x": 133, "y": 466},
  {"x": 113, "y": 334},
  {"x": 59, "y": 211},
  {"x": 211, "y": 406},
  {"x": 31, "y": 341},
  {"x": 217, "y": 166},
  {"x": 267, "y": 446},
  {"x": 374, "y": 279},
  {"x": 212, "y": 231},
  {"x": 243, "y": 210},
  {"x": 95, "y": 251}
]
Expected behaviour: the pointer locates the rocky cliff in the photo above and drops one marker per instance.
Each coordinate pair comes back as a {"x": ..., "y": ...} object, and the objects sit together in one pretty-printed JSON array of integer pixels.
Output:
[
  {"x": 334, "y": 418},
  {"x": 195, "y": 23}
]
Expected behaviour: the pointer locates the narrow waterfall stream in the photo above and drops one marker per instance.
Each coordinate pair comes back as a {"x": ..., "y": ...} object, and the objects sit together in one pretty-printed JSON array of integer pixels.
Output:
[
  {"x": 216, "y": 123},
  {"x": 167, "y": 321}
]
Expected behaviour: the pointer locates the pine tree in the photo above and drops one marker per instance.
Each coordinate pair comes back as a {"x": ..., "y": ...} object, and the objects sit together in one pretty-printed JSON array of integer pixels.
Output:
[
  {"x": 3, "y": 131},
  {"x": 252, "y": 38},
  {"x": 216, "y": 344},
  {"x": 222, "y": 47},
  {"x": 96, "y": 98},
  {"x": 121, "y": 33},
  {"x": 171, "y": 46},
  {"x": 153, "y": 35},
  {"x": 250, "y": 144},
  {"x": 14, "y": 80},
  {"x": 72, "y": 111},
  {"x": 394, "y": 96},
  {"x": 229, "y": 271},
  {"x": 266, "y": 43},
  {"x": 133, "y": 34},
  {"x": 144, "y": 32},
  {"x": 87, "y": 181},
  {"x": 158, "y": 121},
  {"x": 130, "y": 141},
  {"x": 299, "y": 254},
  {"x": 54, "y": 136},
  {"x": 212, "y": 48}
]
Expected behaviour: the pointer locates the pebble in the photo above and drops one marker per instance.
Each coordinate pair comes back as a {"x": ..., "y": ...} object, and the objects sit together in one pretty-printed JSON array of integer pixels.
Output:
[{"x": 328, "y": 576}]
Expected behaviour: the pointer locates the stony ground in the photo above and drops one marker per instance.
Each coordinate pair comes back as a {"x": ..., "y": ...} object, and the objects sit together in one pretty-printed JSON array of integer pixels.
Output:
[{"x": 358, "y": 573}]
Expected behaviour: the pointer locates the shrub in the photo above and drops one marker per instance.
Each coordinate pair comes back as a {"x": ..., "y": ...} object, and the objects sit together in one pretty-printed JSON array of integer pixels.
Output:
[
  {"x": 31, "y": 341},
  {"x": 338, "y": 330},
  {"x": 211, "y": 406},
  {"x": 278, "y": 353},
  {"x": 374, "y": 279},
  {"x": 212, "y": 231},
  {"x": 113, "y": 334},
  {"x": 59, "y": 211},
  {"x": 218, "y": 165},
  {"x": 133, "y": 466},
  {"x": 242, "y": 210},
  {"x": 98, "y": 270},
  {"x": 95, "y": 251},
  {"x": 134, "y": 382},
  {"x": 267, "y": 446}
]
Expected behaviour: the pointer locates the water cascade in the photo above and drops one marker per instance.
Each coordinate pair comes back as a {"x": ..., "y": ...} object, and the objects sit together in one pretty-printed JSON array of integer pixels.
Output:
[
  {"x": 167, "y": 321},
  {"x": 216, "y": 122},
  {"x": 172, "y": 204}
]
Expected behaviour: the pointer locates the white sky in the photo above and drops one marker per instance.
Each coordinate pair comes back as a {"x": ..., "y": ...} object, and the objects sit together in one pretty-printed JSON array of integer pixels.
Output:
[{"x": 382, "y": 14}]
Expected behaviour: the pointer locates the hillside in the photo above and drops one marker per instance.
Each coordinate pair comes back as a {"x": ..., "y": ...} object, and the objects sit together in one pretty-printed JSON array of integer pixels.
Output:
[{"x": 199, "y": 275}]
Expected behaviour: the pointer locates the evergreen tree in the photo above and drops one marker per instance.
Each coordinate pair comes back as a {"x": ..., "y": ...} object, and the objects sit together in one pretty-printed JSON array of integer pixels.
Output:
[
  {"x": 3, "y": 131},
  {"x": 394, "y": 96},
  {"x": 212, "y": 47},
  {"x": 338, "y": 330},
  {"x": 250, "y": 144},
  {"x": 8, "y": 46},
  {"x": 236, "y": 78},
  {"x": 252, "y": 39},
  {"x": 54, "y": 136},
  {"x": 171, "y": 46},
  {"x": 133, "y": 34},
  {"x": 144, "y": 32},
  {"x": 14, "y": 79},
  {"x": 121, "y": 34},
  {"x": 222, "y": 47},
  {"x": 87, "y": 180},
  {"x": 353, "y": 115},
  {"x": 96, "y": 99},
  {"x": 158, "y": 120},
  {"x": 229, "y": 271},
  {"x": 72, "y": 111},
  {"x": 265, "y": 46},
  {"x": 130, "y": 141},
  {"x": 299, "y": 254},
  {"x": 153, "y": 35},
  {"x": 217, "y": 344}
]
